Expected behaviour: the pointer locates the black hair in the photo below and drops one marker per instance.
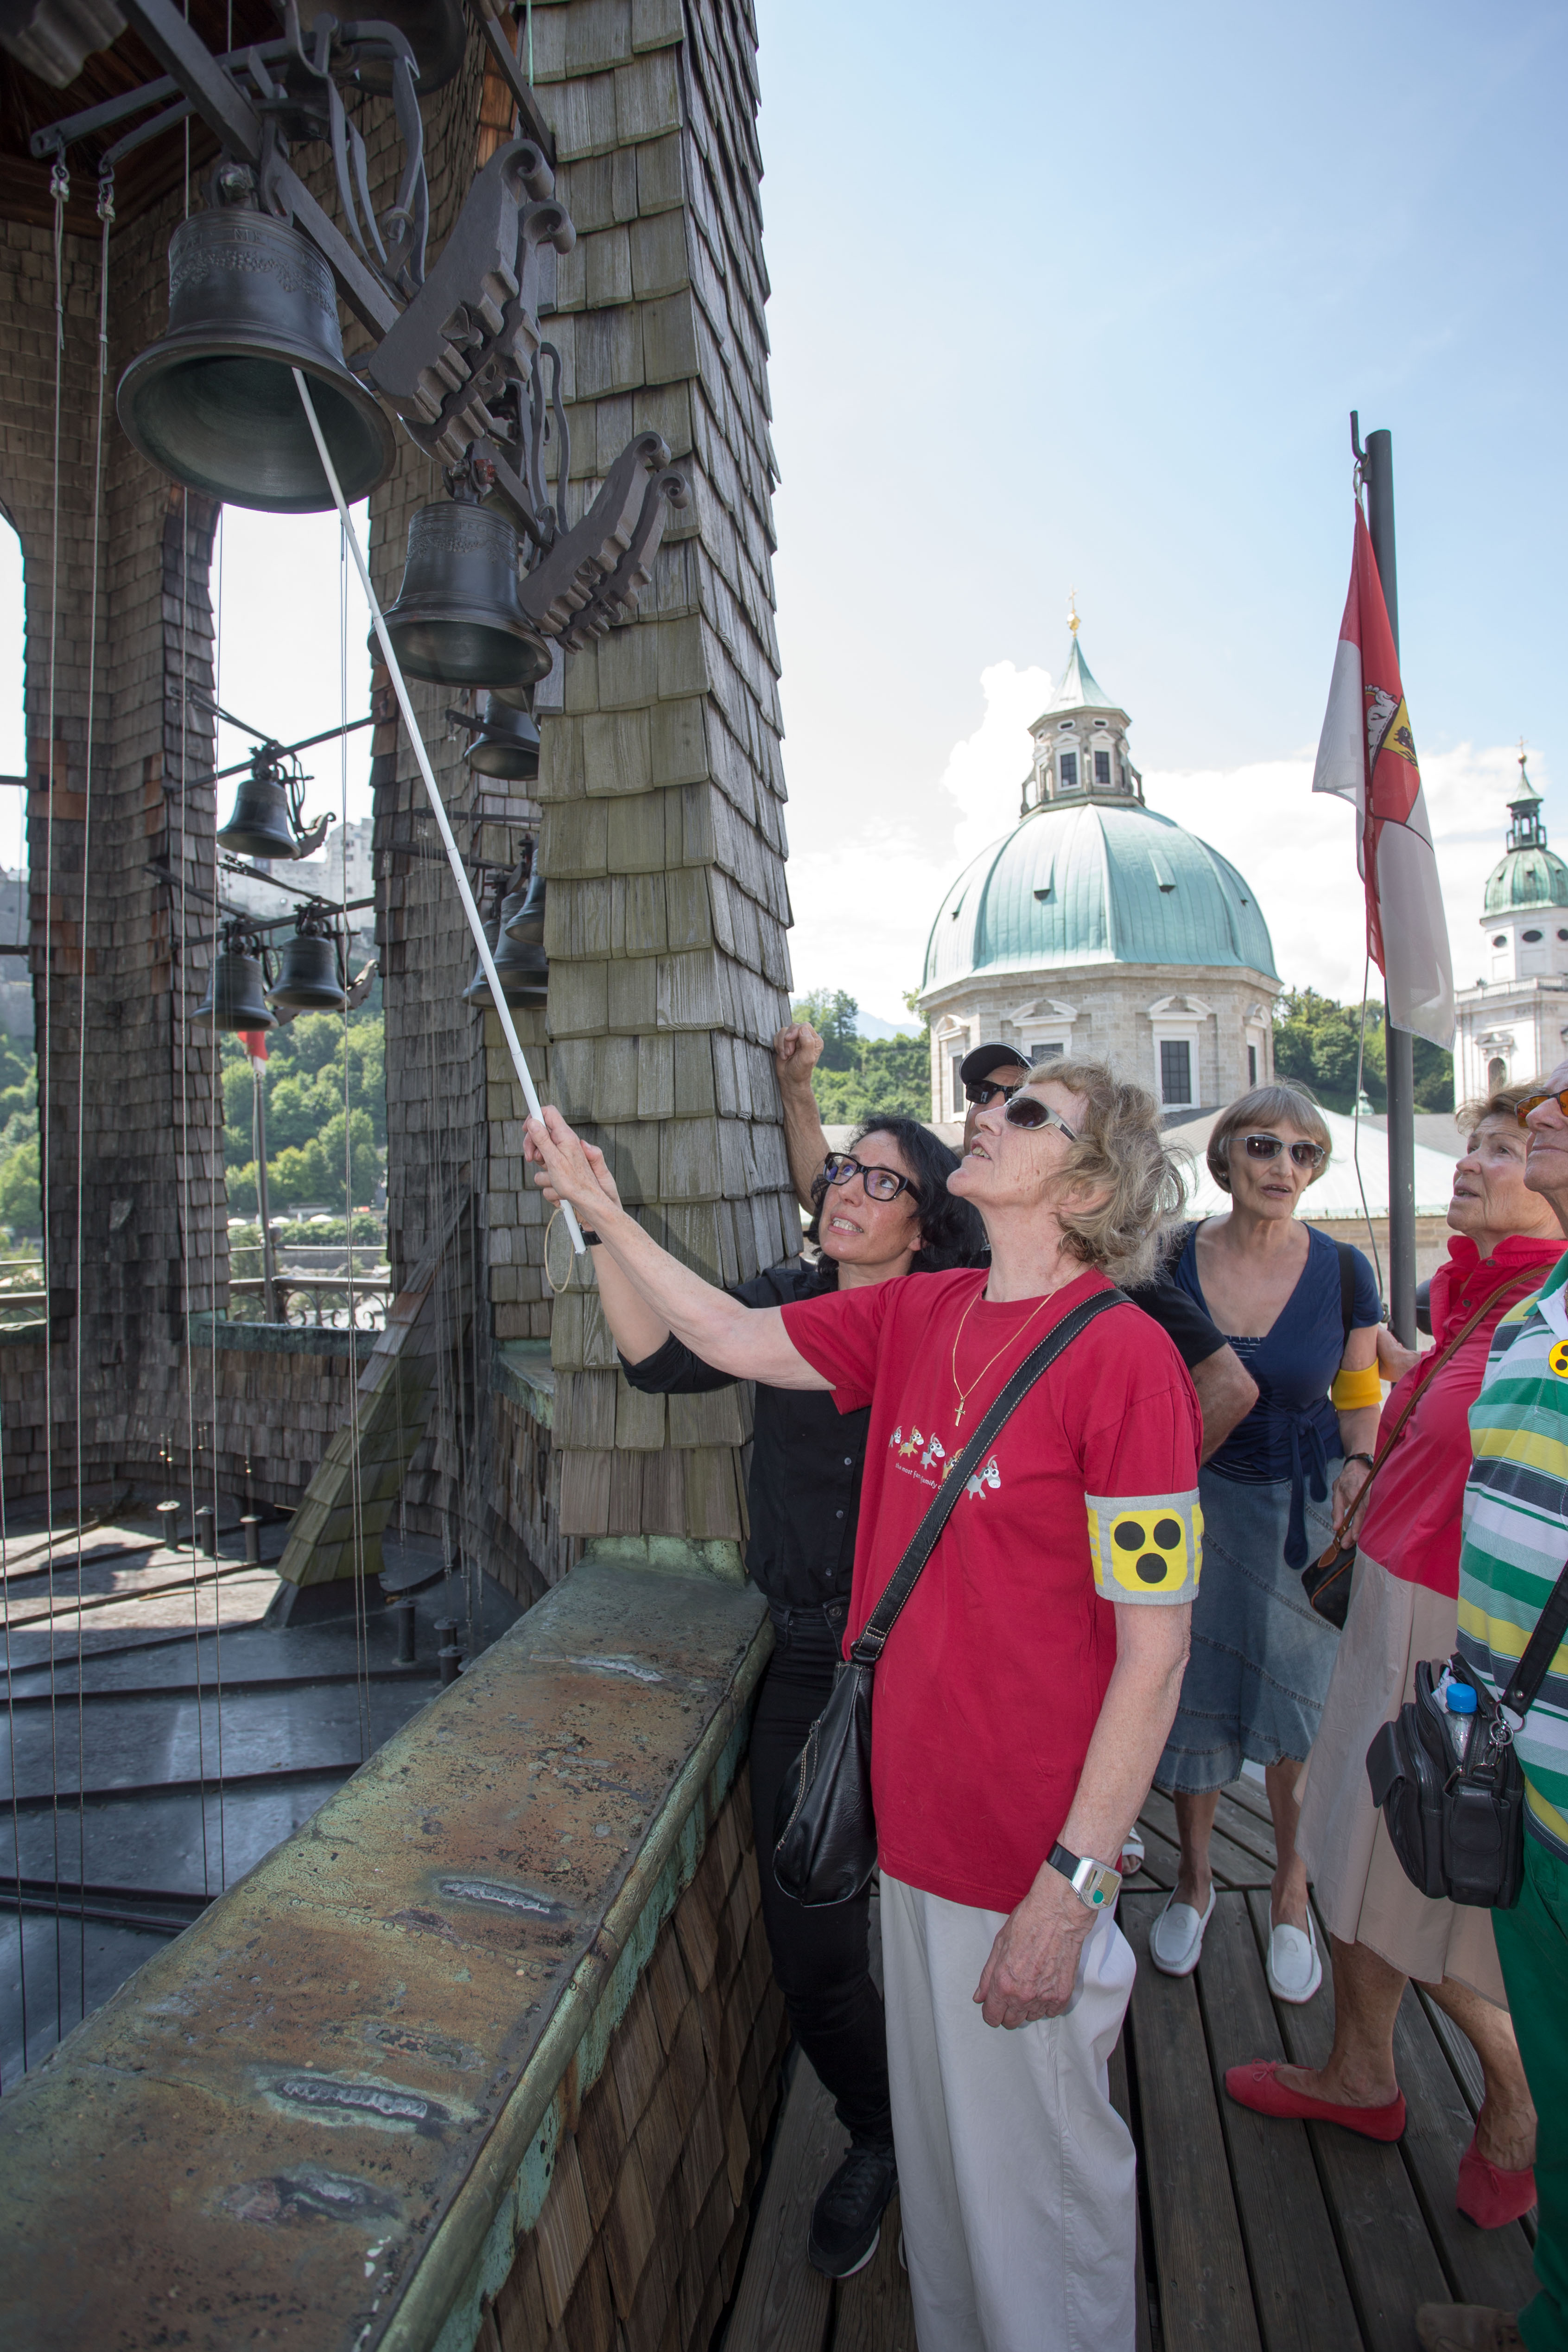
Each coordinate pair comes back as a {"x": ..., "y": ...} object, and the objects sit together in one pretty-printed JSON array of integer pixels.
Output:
[{"x": 951, "y": 1231}]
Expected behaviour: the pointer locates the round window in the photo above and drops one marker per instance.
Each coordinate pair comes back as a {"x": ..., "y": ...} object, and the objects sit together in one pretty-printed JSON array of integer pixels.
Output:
[
  {"x": 1562, "y": 935},
  {"x": 1500, "y": 940},
  {"x": 1530, "y": 937}
]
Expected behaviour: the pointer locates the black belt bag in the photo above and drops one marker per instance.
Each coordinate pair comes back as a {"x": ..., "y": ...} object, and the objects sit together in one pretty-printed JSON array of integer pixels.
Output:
[
  {"x": 1458, "y": 1828},
  {"x": 825, "y": 1828}
]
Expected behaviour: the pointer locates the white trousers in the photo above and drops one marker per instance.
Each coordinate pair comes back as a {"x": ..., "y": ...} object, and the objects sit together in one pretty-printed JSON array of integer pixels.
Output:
[{"x": 1016, "y": 2176}]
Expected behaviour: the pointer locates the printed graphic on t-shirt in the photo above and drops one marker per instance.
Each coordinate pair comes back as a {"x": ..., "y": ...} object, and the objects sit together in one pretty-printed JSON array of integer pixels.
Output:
[
  {"x": 987, "y": 1476},
  {"x": 1145, "y": 1547}
]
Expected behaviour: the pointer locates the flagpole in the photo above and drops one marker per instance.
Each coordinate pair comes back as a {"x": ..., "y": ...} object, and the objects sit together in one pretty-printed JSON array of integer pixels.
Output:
[{"x": 1399, "y": 1045}]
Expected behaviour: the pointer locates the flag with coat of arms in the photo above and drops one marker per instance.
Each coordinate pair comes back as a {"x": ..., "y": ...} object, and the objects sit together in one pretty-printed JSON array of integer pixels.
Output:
[{"x": 1366, "y": 755}]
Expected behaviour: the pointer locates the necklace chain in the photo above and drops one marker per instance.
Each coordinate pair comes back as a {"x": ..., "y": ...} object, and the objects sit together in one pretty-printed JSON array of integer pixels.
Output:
[{"x": 964, "y": 1393}]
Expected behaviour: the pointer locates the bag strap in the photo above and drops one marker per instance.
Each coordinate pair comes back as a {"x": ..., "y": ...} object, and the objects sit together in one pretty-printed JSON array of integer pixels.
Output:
[
  {"x": 1432, "y": 1365},
  {"x": 1524, "y": 1683},
  {"x": 869, "y": 1643},
  {"x": 1347, "y": 1257}
]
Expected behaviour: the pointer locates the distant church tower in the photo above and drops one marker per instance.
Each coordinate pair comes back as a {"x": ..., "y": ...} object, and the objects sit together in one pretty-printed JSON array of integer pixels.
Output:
[
  {"x": 1098, "y": 927},
  {"x": 1512, "y": 1025}
]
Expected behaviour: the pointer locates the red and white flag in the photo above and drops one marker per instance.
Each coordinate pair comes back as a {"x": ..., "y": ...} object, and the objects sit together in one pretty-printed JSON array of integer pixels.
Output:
[{"x": 1366, "y": 754}]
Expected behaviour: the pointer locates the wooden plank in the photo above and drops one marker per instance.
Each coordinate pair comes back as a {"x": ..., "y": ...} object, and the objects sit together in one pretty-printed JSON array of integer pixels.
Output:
[
  {"x": 1205, "y": 2296},
  {"x": 1252, "y": 1796},
  {"x": 873, "y": 2310},
  {"x": 1390, "y": 2261},
  {"x": 1160, "y": 1858},
  {"x": 1121, "y": 2102},
  {"x": 1244, "y": 1829},
  {"x": 1487, "y": 2266},
  {"x": 1302, "y": 2301},
  {"x": 1231, "y": 1863},
  {"x": 783, "y": 2306},
  {"x": 1458, "y": 2049}
]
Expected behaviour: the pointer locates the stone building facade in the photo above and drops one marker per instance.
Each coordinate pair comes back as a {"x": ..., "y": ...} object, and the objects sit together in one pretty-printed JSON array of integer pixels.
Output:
[
  {"x": 1100, "y": 928},
  {"x": 1511, "y": 1024}
]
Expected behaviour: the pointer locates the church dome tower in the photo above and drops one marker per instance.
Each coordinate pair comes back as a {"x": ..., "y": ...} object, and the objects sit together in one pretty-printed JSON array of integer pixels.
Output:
[
  {"x": 1098, "y": 927},
  {"x": 1513, "y": 1023}
]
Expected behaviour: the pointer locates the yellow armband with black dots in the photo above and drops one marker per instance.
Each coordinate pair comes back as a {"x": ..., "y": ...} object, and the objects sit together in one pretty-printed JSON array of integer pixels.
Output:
[{"x": 1352, "y": 1391}]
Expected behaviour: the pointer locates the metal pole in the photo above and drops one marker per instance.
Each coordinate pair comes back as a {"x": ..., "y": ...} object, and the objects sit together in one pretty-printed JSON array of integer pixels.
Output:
[
  {"x": 1399, "y": 1045},
  {"x": 264, "y": 1207}
]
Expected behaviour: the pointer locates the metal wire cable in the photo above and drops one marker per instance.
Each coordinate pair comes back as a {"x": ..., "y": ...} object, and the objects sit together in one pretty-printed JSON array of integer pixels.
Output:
[{"x": 59, "y": 188}]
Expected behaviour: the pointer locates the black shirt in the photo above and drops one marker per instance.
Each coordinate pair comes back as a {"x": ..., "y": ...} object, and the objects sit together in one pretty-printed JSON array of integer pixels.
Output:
[{"x": 807, "y": 1456}]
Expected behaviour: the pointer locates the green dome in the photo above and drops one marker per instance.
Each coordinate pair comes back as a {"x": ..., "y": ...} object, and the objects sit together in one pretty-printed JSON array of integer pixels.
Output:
[
  {"x": 1091, "y": 883},
  {"x": 1527, "y": 877}
]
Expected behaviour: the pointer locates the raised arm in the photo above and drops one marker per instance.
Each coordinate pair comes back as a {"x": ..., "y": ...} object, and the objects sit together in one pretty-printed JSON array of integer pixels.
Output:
[
  {"x": 796, "y": 1052},
  {"x": 749, "y": 1341}
]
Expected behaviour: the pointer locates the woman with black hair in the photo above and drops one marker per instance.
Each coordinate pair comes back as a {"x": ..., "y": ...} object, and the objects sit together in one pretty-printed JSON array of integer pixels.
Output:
[{"x": 882, "y": 1210}]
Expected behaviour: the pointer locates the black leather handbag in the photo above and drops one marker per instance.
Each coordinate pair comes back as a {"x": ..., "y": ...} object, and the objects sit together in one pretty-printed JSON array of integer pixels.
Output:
[
  {"x": 1459, "y": 1830},
  {"x": 825, "y": 1828}
]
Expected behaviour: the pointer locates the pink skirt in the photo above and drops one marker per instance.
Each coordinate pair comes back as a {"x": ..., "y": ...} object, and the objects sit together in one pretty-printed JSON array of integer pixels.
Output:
[{"x": 1362, "y": 1891}]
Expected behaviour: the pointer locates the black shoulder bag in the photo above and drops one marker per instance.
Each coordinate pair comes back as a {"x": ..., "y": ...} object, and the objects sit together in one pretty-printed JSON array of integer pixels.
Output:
[
  {"x": 825, "y": 1831},
  {"x": 1458, "y": 1829}
]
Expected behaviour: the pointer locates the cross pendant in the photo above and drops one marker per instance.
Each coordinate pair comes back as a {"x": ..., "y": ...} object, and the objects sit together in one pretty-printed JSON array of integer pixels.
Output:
[{"x": 958, "y": 1412}]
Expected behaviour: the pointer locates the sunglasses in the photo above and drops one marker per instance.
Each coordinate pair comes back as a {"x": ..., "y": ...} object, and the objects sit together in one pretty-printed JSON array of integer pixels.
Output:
[
  {"x": 985, "y": 1090},
  {"x": 880, "y": 1183},
  {"x": 1029, "y": 1111},
  {"x": 1533, "y": 1102},
  {"x": 1270, "y": 1147}
]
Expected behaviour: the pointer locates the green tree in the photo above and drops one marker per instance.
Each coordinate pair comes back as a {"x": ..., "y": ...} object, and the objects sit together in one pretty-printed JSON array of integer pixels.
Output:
[
  {"x": 19, "y": 1201},
  {"x": 859, "y": 1076},
  {"x": 1316, "y": 1041},
  {"x": 832, "y": 1013}
]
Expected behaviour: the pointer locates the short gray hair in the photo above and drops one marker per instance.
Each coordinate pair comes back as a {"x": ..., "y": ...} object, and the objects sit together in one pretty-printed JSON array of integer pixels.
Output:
[{"x": 1120, "y": 1151}]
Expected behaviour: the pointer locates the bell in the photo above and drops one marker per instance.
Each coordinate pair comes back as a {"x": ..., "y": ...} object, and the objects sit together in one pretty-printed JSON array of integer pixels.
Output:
[
  {"x": 259, "y": 827},
  {"x": 234, "y": 999},
  {"x": 509, "y": 744},
  {"x": 310, "y": 980},
  {"x": 527, "y": 923},
  {"x": 215, "y": 403},
  {"x": 520, "y": 966},
  {"x": 458, "y": 619}
]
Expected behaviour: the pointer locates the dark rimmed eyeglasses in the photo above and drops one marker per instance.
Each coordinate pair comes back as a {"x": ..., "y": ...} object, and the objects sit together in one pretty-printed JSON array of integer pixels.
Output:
[
  {"x": 880, "y": 1183},
  {"x": 985, "y": 1090},
  {"x": 1270, "y": 1147},
  {"x": 1533, "y": 1102},
  {"x": 1029, "y": 1111}
]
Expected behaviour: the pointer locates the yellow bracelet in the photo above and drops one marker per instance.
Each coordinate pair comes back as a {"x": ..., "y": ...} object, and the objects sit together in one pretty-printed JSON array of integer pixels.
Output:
[{"x": 1352, "y": 1391}]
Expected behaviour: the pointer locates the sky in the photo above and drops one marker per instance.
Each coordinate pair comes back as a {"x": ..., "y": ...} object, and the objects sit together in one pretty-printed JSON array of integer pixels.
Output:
[{"x": 1080, "y": 300}]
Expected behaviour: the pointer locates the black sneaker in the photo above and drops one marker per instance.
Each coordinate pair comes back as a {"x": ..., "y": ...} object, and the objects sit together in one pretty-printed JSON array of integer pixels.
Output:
[{"x": 847, "y": 2221}]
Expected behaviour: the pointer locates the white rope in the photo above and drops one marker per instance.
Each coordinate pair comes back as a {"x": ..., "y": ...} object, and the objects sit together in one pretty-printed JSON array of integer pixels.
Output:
[
  {"x": 437, "y": 806},
  {"x": 356, "y": 1478}
]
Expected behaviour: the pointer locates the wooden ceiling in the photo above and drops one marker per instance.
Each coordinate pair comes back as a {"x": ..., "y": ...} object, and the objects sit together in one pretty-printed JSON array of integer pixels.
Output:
[{"x": 150, "y": 173}]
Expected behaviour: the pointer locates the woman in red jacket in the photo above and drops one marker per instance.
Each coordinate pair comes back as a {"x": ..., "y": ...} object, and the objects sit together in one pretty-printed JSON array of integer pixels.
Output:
[{"x": 1403, "y": 1607}]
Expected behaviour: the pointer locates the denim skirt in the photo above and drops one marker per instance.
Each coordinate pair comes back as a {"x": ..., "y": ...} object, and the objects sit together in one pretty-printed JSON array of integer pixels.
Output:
[{"x": 1258, "y": 1674}]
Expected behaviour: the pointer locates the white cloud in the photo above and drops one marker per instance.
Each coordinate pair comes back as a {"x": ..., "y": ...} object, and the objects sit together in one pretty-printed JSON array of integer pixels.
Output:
[{"x": 863, "y": 908}]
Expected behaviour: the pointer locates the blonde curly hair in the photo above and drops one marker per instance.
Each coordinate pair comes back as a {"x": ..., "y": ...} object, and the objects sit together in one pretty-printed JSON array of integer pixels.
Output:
[{"x": 1121, "y": 1154}]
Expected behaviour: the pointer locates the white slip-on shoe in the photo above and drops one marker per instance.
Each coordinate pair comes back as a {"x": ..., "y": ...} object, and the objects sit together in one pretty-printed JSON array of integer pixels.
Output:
[
  {"x": 1176, "y": 1938},
  {"x": 1295, "y": 1968}
]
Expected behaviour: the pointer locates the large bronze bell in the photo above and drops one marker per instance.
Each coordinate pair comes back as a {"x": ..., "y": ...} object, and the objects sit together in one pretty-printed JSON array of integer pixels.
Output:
[
  {"x": 234, "y": 1000},
  {"x": 520, "y": 967},
  {"x": 259, "y": 827},
  {"x": 458, "y": 619},
  {"x": 215, "y": 403},
  {"x": 310, "y": 979},
  {"x": 508, "y": 745}
]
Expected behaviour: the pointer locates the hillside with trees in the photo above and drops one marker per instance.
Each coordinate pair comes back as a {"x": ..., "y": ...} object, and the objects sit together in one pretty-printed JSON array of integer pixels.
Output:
[
  {"x": 1315, "y": 1043},
  {"x": 858, "y": 1077}
]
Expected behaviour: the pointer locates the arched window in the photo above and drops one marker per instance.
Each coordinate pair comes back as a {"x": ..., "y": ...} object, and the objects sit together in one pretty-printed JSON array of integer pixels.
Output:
[{"x": 1497, "y": 1073}]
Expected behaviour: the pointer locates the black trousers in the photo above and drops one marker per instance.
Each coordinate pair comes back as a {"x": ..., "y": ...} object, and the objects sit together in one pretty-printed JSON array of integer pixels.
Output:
[{"x": 821, "y": 1957}]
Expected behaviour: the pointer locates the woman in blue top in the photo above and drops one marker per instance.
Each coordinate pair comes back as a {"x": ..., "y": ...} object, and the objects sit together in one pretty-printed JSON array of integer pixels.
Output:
[{"x": 1260, "y": 1660}]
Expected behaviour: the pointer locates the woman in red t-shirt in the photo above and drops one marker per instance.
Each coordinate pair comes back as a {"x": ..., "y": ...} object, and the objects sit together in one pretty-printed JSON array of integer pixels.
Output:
[
  {"x": 1403, "y": 1607},
  {"x": 1025, "y": 1692}
]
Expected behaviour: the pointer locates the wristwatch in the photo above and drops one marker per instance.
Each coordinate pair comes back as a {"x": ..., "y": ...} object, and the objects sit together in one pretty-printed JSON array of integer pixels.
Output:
[{"x": 1090, "y": 1881}]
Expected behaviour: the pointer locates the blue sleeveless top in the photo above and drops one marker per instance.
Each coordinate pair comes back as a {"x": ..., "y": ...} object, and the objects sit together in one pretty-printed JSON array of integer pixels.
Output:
[{"x": 1292, "y": 1431}]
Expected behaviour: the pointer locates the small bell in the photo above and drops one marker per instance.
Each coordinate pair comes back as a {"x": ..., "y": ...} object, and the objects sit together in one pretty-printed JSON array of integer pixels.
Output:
[
  {"x": 259, "y": 827},
  {"x": 310, "y": 980},
  {"x": 215, "y": 403},
  {"x": 507, "y": 745},
  {"x": 521, "y": 967},
  {"x": 234, "y": 1000},
  {"x": 458, "y": 619}
]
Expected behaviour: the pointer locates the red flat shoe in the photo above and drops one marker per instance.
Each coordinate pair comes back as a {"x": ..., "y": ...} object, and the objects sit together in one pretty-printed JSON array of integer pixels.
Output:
[
  {"x": 1490, "y": 2197},
  {"x": 1259, "y": 2086}
]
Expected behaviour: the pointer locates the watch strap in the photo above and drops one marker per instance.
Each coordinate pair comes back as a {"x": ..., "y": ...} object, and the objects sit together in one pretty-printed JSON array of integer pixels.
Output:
[{"x": 1087, "y": 1877}]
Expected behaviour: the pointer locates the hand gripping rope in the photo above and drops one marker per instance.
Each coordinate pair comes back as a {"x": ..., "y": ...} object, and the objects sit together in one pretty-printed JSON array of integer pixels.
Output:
[{"x": 437, "y": 806}]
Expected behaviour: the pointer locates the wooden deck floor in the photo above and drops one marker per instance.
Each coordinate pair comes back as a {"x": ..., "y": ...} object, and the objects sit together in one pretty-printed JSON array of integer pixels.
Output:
[{"x": 1254, "y": 2236}]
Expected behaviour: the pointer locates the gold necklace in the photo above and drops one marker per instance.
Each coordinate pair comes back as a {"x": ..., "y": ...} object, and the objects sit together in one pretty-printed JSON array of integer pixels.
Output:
[{"x": 964, "y": 1393}]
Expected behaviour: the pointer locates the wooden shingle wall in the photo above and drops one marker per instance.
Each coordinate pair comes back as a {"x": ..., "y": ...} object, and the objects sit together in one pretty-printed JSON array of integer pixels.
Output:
[
  {"x": 662, "y": 779},
  {"x": 638, "y": 2244}
]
